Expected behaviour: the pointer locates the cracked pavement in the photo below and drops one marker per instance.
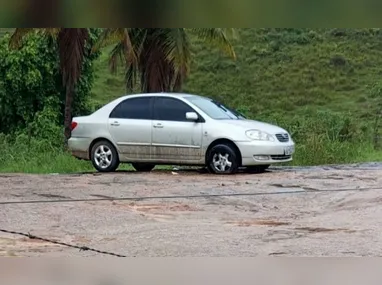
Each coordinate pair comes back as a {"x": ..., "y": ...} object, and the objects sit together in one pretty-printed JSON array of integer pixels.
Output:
[{"x": 302, "y": 220}]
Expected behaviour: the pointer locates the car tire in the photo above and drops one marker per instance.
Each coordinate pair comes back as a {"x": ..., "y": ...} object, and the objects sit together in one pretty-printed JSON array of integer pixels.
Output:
[
  {"x": 104, "y": 157},
  {"x": 257, "y": 168},
  {"x": 143, "y": 167},
  {"x": 222, "y": 159}
]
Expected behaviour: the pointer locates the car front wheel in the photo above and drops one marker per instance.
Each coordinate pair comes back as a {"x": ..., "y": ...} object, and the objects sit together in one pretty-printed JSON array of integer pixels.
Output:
[
  {"x": 222, "y": 159},
  {"x": 104, "y": 157}
]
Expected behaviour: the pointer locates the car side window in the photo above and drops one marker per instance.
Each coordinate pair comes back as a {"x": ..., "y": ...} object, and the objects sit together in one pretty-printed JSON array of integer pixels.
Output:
[
  {"x": 134, "y": 108},
  {"x": 171, "y": 109}
]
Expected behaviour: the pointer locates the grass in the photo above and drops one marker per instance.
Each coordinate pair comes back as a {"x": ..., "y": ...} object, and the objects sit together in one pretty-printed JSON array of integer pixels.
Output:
[
  {"x": 283, "y": 71},
  {"x": 315, "y": 83},
  {"x": 22, "y": 159},
  {"x": 289, "y": 72},
  {"x": 39, "y": 156}
]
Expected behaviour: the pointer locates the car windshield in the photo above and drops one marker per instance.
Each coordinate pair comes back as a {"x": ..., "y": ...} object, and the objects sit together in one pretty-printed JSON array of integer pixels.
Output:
[{"x": 215, "y": 110}]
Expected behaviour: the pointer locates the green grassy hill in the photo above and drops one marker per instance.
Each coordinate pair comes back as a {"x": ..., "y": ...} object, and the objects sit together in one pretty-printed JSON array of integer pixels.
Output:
[{"x": 283, "y": 71}]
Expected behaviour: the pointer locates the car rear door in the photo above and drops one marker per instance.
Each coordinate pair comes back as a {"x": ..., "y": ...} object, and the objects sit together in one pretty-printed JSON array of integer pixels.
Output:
[
  {"x": 130, "y": 125},
  {"x": 174, "y": 138}
]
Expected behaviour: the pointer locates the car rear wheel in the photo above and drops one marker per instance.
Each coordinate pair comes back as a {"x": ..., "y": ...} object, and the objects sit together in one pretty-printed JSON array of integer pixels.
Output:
[
  {"x": 257, "y": 168},
  {"x": 104, "y": 157},
  {"x": 143, "y": 167},
  {"x": 222, "y": 159}
]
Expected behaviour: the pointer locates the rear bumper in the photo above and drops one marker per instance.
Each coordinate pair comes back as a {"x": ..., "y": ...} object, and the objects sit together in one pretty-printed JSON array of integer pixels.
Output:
[
  {"x": 83, "y": 155},
  {"x": 264, "y": 153},
  {"x": 79, "y": 147}
]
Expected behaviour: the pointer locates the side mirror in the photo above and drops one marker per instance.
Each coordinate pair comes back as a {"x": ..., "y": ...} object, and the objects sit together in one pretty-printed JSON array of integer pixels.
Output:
[{"x": 192, "y": 116}]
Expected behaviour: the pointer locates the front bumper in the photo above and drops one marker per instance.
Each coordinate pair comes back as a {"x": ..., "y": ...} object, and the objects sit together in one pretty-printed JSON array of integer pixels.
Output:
[{"x": 264, "y": 153}]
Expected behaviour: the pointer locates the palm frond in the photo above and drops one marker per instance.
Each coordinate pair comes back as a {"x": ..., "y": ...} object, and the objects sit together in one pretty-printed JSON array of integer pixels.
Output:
[
  {"x": 178, "y": 81},
  {"x": 164, "y": 57},
  {"x": 179, "y": 51},
  {"x": 50, "y": 32},
  {"x": 176, "y": 50},
  {"x": 153, "y": 65},
  {"x": 119, "y": 37},
  {"x": 17, "y": 37},
  {"x": 71, "y": 44},
  {"x": 131, "y": 77},
  {"x": 139, "y": 38},
  {"x": 109, "y": 37},
  {"x": 116, "y": 56},
  {"x": 219, "y": 36}
]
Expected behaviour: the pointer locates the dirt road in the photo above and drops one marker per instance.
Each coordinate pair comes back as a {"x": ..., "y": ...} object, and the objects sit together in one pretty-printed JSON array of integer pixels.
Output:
[{"x": 284, "y": 212}]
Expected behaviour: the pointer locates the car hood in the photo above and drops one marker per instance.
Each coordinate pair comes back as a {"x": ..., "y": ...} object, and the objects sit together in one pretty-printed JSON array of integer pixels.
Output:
[{"x": 252, "y": 124}]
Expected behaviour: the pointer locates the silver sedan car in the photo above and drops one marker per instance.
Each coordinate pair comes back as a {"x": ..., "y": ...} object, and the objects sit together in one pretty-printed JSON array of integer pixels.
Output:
[{"x": 176, "y": 129}]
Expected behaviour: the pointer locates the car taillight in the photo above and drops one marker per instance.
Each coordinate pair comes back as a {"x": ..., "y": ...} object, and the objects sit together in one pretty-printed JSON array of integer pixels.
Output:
[{"x": 74, "y": 125}]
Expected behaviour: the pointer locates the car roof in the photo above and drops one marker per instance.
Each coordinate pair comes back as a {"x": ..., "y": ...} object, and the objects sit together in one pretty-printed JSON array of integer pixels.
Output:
[
  {"x": 111, "y": 105},
  {"x": 169, "y": 94}
]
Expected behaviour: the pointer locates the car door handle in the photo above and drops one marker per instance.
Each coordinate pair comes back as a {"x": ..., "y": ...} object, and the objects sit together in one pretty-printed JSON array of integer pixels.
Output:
[
  {"x": 115, "y": 123},
  {"x": 158, "y": 126}
]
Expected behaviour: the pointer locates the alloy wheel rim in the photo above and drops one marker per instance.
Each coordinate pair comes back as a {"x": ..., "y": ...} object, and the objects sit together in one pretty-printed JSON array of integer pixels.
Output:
[
  {"x": 221, "y": 162},
  {"x": 103, "y": 156}
]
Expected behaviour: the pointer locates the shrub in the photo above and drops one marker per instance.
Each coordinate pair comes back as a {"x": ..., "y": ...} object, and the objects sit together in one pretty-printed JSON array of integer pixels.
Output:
[{"x": 32, "y": 96}]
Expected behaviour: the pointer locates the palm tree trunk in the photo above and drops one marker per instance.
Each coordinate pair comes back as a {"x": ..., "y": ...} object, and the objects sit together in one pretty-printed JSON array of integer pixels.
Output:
[
  {"x": 71, "y": 51},
  {"x": 68, "y": 113}
]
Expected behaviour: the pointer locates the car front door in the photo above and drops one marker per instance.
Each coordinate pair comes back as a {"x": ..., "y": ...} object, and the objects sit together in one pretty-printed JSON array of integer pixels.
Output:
[
  {"x": 130, "y": 125},
  {"x": 174, "y": 138}
]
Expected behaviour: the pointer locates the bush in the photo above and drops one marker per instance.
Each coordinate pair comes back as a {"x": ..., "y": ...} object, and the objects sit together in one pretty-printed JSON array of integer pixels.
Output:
[
  {"x": 32, "y": 100},
  {"x": 32, "y": 96}
]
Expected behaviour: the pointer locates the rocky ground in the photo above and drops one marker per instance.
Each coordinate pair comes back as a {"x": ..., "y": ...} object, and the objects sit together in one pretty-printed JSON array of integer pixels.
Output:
[{"x": 323, "y": 211}]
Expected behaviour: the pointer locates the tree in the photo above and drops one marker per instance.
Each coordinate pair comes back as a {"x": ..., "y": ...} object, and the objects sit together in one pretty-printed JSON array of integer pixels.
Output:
[
  {"x": 71, "y": 46},
  {"x": 157, "y": 58}
]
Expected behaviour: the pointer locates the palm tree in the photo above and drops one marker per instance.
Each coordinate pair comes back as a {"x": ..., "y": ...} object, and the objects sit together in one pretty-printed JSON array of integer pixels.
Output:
[
  {"x": 160, "y": 58},
  {"x": 71, "y": 47}
]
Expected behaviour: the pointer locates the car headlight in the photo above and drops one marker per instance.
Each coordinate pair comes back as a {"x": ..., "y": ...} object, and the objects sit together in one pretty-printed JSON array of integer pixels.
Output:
[{"x": 259, "y": 135}]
